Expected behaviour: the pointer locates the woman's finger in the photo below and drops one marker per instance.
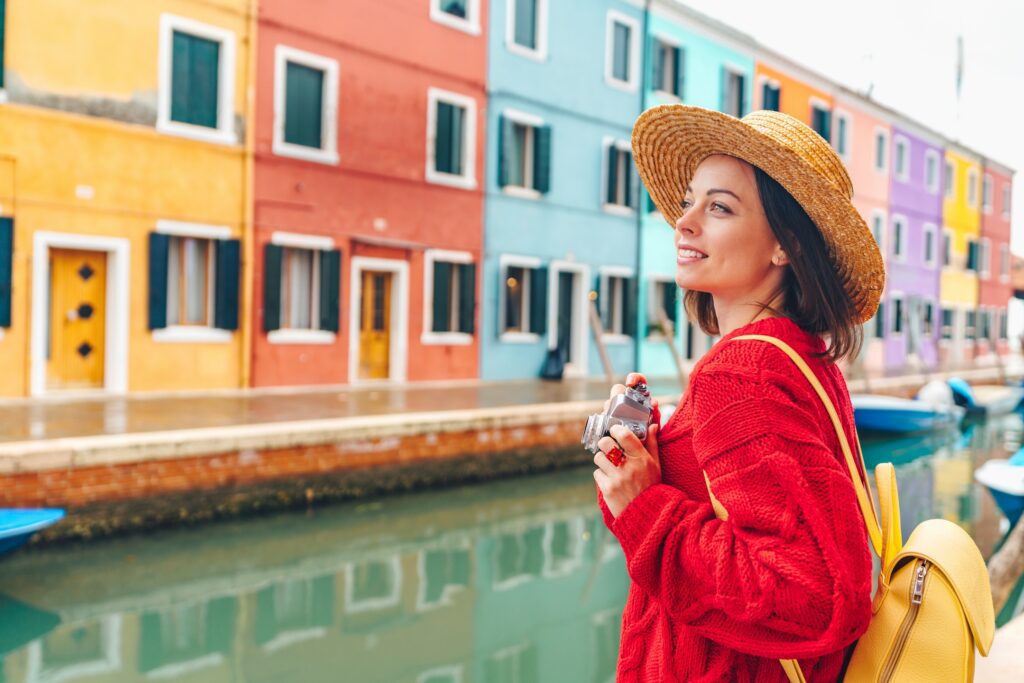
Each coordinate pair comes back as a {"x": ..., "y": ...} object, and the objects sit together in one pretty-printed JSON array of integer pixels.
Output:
[
  {"x": 604, "y": 464},
  {"x": 616, "y": 390},
  {"x": 607, "y": 443},
  {"x": 627, "y": 440},
  {"x": 603, "y": 482},
  {"x": 634, "y": 377}
]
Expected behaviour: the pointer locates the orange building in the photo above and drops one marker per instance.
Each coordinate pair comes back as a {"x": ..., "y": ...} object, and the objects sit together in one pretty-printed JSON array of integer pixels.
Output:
[
  {"x": 787, "y": 87},
  {"x": 368, "y": 201}
]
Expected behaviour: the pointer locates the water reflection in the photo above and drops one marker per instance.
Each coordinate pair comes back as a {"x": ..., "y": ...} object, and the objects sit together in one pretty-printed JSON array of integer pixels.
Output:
[{"x": 506, "y": 583}]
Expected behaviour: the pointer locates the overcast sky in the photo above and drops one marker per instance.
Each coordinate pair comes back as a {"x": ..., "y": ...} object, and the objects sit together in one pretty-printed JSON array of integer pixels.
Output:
[{"x": 905, "y": 50}]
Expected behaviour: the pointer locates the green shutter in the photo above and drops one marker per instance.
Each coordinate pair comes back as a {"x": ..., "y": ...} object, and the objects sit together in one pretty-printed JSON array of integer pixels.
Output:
[
  {"x": 741, "y": 85},
  {"x": 3, "y": 30},
  {"x": 443, "y": 138},
  {"x": 656, "y": 66},
  {"x": 542, "y": 159},
  {"x": 159, "y": 245},
  {"x": 539, "y": 300},
  {"x": 467, "y": 297},
  {"x": 600, "y": 303},
  {"x": 680, "y": 66},
  {"x": 195, "y": 74},
  {"x": 225, "y": 308},
  {"x": 150, "y": 650},
  {"x": 671, "y": 298},
  {"x": 330, "y": 290},
  {"x": 723, "y": 88},
  {"x": 221, "y": 614},
  {"x": 613, "y": 174},
  {"x": 442, "y": 297},
  {"x": 265, "y": 626},
  {"x": 455, "y": 147},
  {"x": 6, "y": 267},
  {"x": 304, "y": 98},
  {"x": 505, "y": 142},
  {"x": 629, "y": 296},
  {"x": 972, "y": 255},
  {"x": 272, "y": 257},
  {"x": 323, "y": 601},
  {"x": 630, "y": 201}
]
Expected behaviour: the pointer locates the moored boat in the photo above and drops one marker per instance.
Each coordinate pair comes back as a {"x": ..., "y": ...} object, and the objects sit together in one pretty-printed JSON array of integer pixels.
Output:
[
  {"x": 902, "y": 415},
  {"x": 1005, "y": 481},
  {"x": 18, "y": 525}
]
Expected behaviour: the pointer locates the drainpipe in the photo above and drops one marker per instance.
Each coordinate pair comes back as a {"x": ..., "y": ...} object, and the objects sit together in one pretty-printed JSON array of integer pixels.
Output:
[{"x": 644, "y": 70}]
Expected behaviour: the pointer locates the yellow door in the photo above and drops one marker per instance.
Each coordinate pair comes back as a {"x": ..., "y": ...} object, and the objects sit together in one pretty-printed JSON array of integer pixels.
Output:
[
  {"x": 78, "y": 290},
  {"x": 374, "y": 325}
]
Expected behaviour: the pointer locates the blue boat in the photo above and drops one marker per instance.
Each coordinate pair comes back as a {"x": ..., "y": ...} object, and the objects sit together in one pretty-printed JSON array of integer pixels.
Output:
[
  {"x": 1004, "y": 479},
  {"x": 902, "y": 415},
  {"x": 17, "y": 526},
  {"x": 986, "y": 400}
]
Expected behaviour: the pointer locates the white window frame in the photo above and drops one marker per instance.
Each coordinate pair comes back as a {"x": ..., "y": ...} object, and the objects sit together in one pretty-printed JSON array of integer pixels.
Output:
[
  {"x": 428, "y": 337},
  {"x": 947, "y": 235},
  {"x": 883, "y": 167},
  {"x": 1007, "y": 202},
  {"x": 536, "y": 122},
  {"x": 933, "y": 156},
  {"x": 654, "y": 283},
  {"x": 636, "y": 38},
  {"x": 904, "y": 174},
  {"x": 844, "y": 115},
  {"x": 933, "y": 230},
  {"x": 605, "y": 272},
  {"x": 987, "y": 192},
  {"x": 467, "y": 180},
  {"x": 899, "y": 242},
  {"x": 615, "y": 209},
  {"x": 453, "y": 672},
  {"x": 549, "y": 569},
  {"x": 286, "y": 335},
  {"x": 541, "y": 53},
  {"x": 1004, "y": 263},
  {"x": 353, "y": 606},
  {"x": 949, "y": 169},
  {"x": 972, "y": 187},
  {"x": 891, "y": 317},
  {"x": 470, "y": 25},
  {"x": 883, "y": 235},
  {"x": 449, "y": 590},
  {"x": 195, "y": 334},
  {"x": 505, "y": 261},
  {"x": 984, "y": 258},
  {"x": 328, "y": 153},
  {"x": 224, "y": 133},
  {"x": 675, "y": 43}
]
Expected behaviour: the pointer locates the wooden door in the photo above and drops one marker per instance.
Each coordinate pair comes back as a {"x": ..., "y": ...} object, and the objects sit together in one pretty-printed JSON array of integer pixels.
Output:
[
  {"x": 78, "y": 292},
  {"x": 375, "y": 325}
]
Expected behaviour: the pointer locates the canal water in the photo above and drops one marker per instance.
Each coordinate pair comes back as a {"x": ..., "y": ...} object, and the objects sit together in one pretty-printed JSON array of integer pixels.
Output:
[{"x": 516, "y": 581}]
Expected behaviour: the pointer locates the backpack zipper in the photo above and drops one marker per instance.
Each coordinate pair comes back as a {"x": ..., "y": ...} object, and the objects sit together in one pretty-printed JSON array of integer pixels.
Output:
[{"x": 916, "y": 598}]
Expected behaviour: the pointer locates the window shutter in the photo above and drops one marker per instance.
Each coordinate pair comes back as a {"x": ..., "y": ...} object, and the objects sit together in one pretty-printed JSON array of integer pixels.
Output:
[
  {"x": 629, "y": 306},
  {"x": 630, "y": 200},
  {"x": 443, "y": 138},
  {"x": 195, "y": 73},
  {"x": 330, "y": 289},
  {"x": 741, "y": 98},
  {"x": 972, "y": 256},
  {"x": 159, "y": 245},
  {"x": 680, "y": 65},
  {"x": 467, "y": 297},
  {"x": 613, "y": 174},
  {"x": 6, "y": 267},
  {"x": 225, "y": 308},
  {"x": 723, "y": 86},
  {"x": 600, "y": 303},
  {"x": 150, "y": 650},
  {"x": 542, "y": 159},
  {"x": 657, "y": 73},
  {"x": 221, "y": 617},
  {"x": 265, "y": 626},
  {"x": 671, "y": 301},
  {"x": 539, "y": 300},
  {"x": 3, "y": 21},
  {"x": 505, "y": 142},
  {"x": 303, "y": 118},
  {"x": 442, "y": 296},
  {"x": 272, "y": 256},
  {"x": 323, "y": 601}
]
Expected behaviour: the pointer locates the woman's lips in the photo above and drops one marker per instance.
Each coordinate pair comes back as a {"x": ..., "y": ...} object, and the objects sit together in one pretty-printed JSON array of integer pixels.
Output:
[{"x": 686, "y": 255}]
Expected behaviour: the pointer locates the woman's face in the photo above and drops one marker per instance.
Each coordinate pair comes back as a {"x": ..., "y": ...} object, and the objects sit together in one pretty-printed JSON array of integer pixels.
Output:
[{"x": 724, "y": 245}]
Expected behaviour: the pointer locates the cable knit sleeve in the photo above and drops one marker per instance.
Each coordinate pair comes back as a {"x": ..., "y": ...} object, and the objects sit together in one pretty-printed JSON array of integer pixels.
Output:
[{"x": 788, "y": 574}]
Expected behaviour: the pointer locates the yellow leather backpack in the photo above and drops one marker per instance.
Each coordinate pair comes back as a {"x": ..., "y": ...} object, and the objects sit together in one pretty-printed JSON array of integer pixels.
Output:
[{"x": 933, "y": 605}]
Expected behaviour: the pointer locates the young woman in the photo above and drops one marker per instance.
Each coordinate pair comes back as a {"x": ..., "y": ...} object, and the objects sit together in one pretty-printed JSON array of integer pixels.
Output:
[{"x": 767, "y": 242}]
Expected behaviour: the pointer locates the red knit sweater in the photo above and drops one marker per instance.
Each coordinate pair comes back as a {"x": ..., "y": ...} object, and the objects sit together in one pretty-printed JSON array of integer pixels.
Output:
[{"x": 789, "y": 573}]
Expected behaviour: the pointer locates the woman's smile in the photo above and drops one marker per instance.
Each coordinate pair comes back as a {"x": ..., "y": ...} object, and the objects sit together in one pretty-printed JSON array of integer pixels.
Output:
[{"x": 688, "y": 255}]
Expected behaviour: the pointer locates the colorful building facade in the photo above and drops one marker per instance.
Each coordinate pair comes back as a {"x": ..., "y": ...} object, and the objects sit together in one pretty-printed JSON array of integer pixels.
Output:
[
  {"x": 958, "y": 284},
  {"x": 994, "y": 287}
]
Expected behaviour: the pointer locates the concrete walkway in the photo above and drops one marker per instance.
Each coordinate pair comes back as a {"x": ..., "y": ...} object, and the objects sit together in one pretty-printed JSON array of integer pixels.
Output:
[{"x": 1005, "y": 662}]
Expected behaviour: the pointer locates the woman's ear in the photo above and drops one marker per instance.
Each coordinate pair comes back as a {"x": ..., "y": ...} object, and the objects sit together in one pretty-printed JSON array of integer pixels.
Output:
[{"x": 779, "y": 258}]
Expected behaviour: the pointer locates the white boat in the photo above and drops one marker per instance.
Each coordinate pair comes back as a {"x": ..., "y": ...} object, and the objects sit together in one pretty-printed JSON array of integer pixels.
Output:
[
  {"x": 902, "y": 415},
  {"x": 1005, "y": 481}
]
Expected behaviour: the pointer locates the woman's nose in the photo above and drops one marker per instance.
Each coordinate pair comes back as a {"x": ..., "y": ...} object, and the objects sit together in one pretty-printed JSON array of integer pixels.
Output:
[{"x": 688, "y": 222}]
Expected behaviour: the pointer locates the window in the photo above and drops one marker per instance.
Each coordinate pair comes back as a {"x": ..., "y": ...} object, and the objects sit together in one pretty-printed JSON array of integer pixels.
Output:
[
  {"x": 1006, "y": 201},
  {"x": 969, "y": 327},
  {"x": 821, "y": 121},
  {"x": 301, "y": 289},
  {"x": 449, "y": 296},
  {"x": 195, "y": 95},
  {"x": 3, "y": 21},
  {"x": 619, "y": 182},
  {"x": 947, "y": 323},
  {"x": 372, "y": 585},
  {"x": 950, "y": 180},
  {"x": 881, "y": 150},
  {"x": 622, "y": 52},
  {"x": 662, "y": 299},
  {"x": 184, "y": 633},
  {"x": 947, "y": 247},
  {"x": 986, "y": 194},
  {"x": 734, "y": 93},
  {"x": 451, "y": 139},
  {"x": 985, "y": 323},
  {"x": 668, "y": 68},
  {"x": 972, "y": 186},
  {"x": 880, "y": 321},
  {"x": 616, "y": 299},
  {"x": 842, "y": 139},
  {"x": 189, "y": 273},
  {"x": 6, "y": 268},
  {"x": 771, "y": 93},
  {"x": 305, "y": 105},
  {"x": 513, "y": 664},
  {"x": 899, "y": 238},
  {"x": 972, "y": 255},
  {"x": 518, "y": 558},
  {"x": 523, "y": 310},
  {"x": 897, "y": 314},
  {"x": 929, "y": 245},
  {"x": 527, "y": 28},
  {"x": 1004, "y": 332},
  {"x": 984, "y": 257},
  {"x": 902, "y": 159},
  {"x": 928, "y": 319},
  {"x": 1004, "y": 262},
  {"x": 443, "y": 572},
  {"x": 525, "y": 154},
  {"x": 931, "y": 171},
  {"x": 463, "y": 15},
  {"x": 878, "y": 229}
]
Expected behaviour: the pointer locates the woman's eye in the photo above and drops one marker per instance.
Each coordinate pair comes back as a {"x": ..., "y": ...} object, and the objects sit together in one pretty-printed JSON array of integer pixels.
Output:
[
  {"x": 720, "y": 207},
  {"x": 686, "y": 204}
]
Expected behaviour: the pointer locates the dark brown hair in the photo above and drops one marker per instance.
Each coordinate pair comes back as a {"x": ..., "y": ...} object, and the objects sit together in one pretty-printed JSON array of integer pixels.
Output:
[{"x": 812, "y": 291}]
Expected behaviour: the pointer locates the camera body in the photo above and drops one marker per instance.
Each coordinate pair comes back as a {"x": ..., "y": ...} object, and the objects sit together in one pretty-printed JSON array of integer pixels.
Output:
[{"x": 631, "y": 409}]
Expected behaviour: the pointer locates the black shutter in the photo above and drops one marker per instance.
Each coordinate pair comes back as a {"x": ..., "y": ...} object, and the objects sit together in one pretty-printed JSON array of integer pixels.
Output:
[
  {"x": 6, "y": 268},
  {"x": 330, "y": 289},
  {"x": 442, "y": 296},
  {"x": 613, "y": 174},
  {"x": 272, "y": 257},
  {"x": 159, "y": 246},
  {"x": 467, "y": 297},
  {"x": 542, "y": 159},
  {"x": 629, "y": 295},
  {"x": 505, "y": 142},
  {"x": 443, "y": 138},
  {"x": 539, "y": 300},
  {"x": 225, "y": 307}
]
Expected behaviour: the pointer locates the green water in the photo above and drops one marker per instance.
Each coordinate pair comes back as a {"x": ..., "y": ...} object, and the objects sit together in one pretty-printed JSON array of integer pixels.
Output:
[{"x": 516, "y": 581}]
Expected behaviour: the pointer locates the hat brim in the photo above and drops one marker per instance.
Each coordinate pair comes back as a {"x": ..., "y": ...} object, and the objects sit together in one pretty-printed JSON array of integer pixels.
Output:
[{"x": 670, "y": 141}]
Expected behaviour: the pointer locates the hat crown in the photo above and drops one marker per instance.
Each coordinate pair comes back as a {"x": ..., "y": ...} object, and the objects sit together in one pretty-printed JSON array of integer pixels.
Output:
[{"x": 806, "y": 143}]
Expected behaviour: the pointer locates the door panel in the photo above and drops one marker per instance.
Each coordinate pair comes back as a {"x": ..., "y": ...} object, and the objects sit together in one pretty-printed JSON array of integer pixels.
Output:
[
  {"x": 375, "y": 325},
  {"x": 77, "y": 339},
  {"x": 566, "y": 314}
]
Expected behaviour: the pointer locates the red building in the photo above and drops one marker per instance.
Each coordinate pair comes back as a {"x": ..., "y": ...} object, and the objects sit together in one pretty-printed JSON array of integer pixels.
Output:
[
  {"x": 994, "y": 264},
  {"x": 368, "y": 177}
]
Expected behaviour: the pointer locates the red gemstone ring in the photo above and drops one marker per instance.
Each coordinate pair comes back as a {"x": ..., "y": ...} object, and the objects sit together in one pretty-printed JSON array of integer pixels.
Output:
[{"x": 616, "y": 456}]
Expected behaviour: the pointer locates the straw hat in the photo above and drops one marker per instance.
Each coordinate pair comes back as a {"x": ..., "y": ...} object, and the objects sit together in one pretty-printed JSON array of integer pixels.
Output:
[{"x": 670, "y": 141}]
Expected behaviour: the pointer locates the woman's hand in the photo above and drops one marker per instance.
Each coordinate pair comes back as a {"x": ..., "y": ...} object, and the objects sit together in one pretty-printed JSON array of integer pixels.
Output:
[{"x": 638, "y": 470}]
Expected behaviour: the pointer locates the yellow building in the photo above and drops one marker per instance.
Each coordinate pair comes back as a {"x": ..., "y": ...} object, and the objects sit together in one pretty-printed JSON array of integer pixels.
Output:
[
  {"x": 123, "y": 171},
  {"x": 961, "y": 233}
]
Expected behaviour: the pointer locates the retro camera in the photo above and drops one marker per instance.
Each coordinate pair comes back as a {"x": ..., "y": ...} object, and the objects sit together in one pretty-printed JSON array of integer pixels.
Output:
[{"x": 631, "y": 409}]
